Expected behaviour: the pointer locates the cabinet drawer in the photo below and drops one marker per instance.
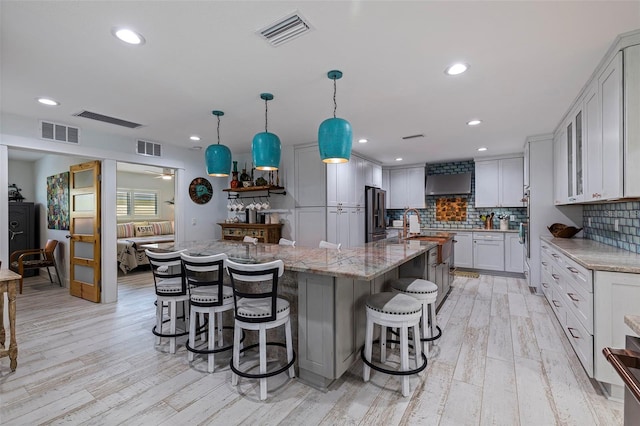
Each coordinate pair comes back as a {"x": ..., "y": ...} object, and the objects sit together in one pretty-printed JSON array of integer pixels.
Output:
[
  {"x": 546, "y": 262},
  {"x": 581, "y": 341},
  {"x": 558, "y": 306},
  {"x": 578, "y": 274},
  {"x": 580, "y": 303},
  {"x": 546, "y": 283}
]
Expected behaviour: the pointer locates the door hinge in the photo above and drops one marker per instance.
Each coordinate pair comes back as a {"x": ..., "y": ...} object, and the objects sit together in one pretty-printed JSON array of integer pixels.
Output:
[{"x": 100, "y": 177}]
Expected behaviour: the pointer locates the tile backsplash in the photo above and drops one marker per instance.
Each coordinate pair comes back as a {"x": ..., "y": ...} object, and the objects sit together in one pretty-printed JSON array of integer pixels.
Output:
[
  {"x": 599, "y": 223},
  {"x": 428, "y": 215}
]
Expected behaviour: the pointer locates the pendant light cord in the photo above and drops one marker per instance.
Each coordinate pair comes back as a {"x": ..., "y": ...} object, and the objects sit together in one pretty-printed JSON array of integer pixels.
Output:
[
  {"x": 218, "y": 130},
  {"x": 265, "y": 115},
  {"x": 335, "y": 105}
]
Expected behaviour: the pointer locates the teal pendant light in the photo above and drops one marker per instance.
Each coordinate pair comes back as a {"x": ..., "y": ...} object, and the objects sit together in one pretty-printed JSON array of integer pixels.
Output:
[
  {"x": 266, "y": 147},
  {"x": 218, "y": 157},
  {"x": 335, "y": 134}
]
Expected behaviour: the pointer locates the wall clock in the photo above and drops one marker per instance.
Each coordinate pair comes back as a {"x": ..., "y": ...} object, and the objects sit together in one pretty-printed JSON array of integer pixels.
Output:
[{"x": 200, "y": 190}]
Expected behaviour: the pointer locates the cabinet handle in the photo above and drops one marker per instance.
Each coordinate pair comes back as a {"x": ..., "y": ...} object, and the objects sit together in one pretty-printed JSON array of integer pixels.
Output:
[
  {"x": 572, "y": 269},
  {"x": 545, "y": 285},
  {"x": 571, "y": 333},
  {"x": 545, "y": 247},
  {"x": 555, "y": 277},
  {"x": 572, "y": 297},
  {"x": 555, "y": 256},
  {"x": 555, "y": 303},
  {"x": 544, "y": 263}
]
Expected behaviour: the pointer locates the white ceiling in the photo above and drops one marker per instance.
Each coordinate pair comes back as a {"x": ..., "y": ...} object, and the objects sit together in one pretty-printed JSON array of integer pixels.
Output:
[{"x": 528, "y": 62}]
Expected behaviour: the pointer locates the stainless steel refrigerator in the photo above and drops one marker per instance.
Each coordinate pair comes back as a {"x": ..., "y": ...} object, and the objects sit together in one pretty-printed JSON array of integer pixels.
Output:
[{"x": 375, "y": 226}]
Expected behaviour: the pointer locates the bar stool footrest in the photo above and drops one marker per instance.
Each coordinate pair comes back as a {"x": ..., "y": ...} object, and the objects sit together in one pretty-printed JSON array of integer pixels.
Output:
[
  {"x": 268, "y": 374},
  {"x": 184, "y": 333},
  {"x": 394, "y": 372}
]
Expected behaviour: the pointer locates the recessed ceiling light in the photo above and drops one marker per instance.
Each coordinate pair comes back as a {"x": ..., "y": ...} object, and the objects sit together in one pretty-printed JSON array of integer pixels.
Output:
[
  {"x": 482, "y": 149},
  {"x": 473, "y": 122},
  {"x": 194, "y": 138},
  {"x": 457, "y": 68},
  {"x": 196, "y": 148},
  {"x": 128, "y": 36},
  {"x": 48, "y": 101},
  {"x": 363, "y": 140},
  {"x": 399, "y": 159}
]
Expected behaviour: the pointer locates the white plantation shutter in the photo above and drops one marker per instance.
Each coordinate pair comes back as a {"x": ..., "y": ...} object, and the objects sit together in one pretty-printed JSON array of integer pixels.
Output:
[
  {"x": 145, "y": 204},
  {"x": 122, "y": 203}
]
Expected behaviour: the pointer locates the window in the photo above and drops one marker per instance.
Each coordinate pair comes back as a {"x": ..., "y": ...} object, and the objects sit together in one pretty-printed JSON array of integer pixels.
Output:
[{"x": 136, "y": 203}]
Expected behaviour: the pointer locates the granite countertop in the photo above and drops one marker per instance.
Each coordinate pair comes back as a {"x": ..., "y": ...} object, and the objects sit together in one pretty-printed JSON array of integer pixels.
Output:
[
  {"x": 597, "y": 256},
  {"x": 361, "y": 263},
  {"x": 633, "y": 321}
]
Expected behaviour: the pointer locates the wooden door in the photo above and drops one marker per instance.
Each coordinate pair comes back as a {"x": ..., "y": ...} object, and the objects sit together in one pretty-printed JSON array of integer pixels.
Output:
[{"x": 84, "y": 204}]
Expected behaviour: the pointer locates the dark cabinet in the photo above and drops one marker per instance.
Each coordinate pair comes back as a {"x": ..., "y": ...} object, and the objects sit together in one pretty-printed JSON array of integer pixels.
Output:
[{"x": 23, "y": 229}]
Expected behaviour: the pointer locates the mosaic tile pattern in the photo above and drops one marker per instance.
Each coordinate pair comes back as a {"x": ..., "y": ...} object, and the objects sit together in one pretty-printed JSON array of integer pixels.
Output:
[
  {"x": 451, "y": 209},
  {"x": 428, "y": 217},
  {"x": 602, "y": 227}
]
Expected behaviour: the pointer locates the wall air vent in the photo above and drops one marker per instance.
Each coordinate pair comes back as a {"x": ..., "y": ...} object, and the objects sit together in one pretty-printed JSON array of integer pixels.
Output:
[
  {"x": 286, "y": 29},
  {"x": 149, "y": 149},
  {"x": 107, "y": 119},
  {"x": 59, "y": 132}
]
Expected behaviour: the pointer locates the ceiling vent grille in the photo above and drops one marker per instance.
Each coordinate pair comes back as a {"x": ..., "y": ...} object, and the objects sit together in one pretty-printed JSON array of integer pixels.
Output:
[
  {"x": 107, "y": 119},
  {"x": 149, "y": 149},
  {"x": 286, "y": 29},
  {"x": 59, "y": 132}
]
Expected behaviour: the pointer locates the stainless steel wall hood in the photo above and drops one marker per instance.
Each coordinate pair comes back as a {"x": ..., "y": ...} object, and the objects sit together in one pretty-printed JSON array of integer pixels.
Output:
[{"x": 448, "y": 184}]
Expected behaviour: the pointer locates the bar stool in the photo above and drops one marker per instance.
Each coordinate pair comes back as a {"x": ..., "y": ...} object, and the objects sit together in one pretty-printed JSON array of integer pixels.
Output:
[
  {"x": 207, "y": 295},
  {"x": 259, "y": 311},
  {"x": 426, "y": 292},
  {"x": 393, "y": 310},
  {"x": 171, "y": 289}
]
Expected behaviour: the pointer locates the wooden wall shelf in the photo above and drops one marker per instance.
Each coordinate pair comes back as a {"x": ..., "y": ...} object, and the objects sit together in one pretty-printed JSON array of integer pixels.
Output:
[{"x": 233, "y": 193}]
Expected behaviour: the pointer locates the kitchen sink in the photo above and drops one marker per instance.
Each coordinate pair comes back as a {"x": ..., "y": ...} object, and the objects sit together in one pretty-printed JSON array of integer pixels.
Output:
[{"x": 445, "y": 244}]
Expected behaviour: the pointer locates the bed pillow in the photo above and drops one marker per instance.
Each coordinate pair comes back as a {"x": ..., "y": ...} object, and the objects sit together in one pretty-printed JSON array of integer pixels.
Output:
[
  {"x": 125, "y": 230},
  {"x": 144, "y": 223},
  {"x": 162, "y": 228},
  {"x": 144, "y": 231}
]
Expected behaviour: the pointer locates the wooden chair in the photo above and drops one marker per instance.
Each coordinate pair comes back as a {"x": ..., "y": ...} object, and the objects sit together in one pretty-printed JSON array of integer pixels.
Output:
[{"x": 35, "y": 259}]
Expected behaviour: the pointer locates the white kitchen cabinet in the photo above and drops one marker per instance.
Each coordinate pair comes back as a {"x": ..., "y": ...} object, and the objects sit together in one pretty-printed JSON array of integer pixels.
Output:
[
  {"x": 513, "y": 253},
  {"x": 372, "y": 174},
  {"x": 310, "y": 226},
  {"x": 499, "y": 182},
  {"x": 593, "y": 145},
  {"x": 488, "y": 251},
  {"x": 463, "y": 250},
  {"x": 616, "y": 294},
  {"x": 358, "y": 173},
  {"x": 345, "y": 225},
  {"x": 309, "y": 172},
  {"x": 340, "y": 184},
  {"x": 560, "y": 167},
  {"x": 631, "y": 108},
  {"x": 611, "y": 94},
  {"x": 386, "y": 187},
  {"x": 406, "y": 188},
  {"x": 575, "y": 155}
]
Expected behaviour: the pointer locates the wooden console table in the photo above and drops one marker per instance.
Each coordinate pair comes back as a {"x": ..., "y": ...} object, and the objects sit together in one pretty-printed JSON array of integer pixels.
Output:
[
  {"x": 9, "y": 282},
  {"x": 264, "y": 233}
]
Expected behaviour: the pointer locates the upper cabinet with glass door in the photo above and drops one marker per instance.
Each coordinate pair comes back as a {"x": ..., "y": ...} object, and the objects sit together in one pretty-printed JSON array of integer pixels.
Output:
[{"x": 575, "y": 156}]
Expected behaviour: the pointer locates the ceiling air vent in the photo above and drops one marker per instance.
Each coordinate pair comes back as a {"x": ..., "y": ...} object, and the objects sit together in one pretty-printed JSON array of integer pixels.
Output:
[
  {"x": 149, "y": 149},
  {"x": 59, "y": 132},
  {"x": 286, "y": 29},
  {"x": 107, "y": 119}
]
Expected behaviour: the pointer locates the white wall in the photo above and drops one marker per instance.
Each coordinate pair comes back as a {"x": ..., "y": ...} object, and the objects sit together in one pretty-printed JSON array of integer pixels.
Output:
[{"x": 21, "y": 173}]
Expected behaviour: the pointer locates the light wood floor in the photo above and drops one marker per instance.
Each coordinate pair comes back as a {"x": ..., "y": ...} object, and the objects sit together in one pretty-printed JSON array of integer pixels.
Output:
[{"x": 502, "y": 360}]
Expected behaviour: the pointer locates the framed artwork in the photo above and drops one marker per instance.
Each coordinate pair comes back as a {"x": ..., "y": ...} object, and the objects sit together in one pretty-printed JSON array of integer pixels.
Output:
[{"x": 58, "y": 201}]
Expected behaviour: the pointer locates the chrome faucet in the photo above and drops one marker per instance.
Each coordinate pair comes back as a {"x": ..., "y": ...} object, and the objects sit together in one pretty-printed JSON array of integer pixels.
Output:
[{"x": 405, "y": 223}]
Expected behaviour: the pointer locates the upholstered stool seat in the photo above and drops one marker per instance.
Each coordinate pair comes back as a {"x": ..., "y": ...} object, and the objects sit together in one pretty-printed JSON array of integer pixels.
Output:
[
  {"x": 425, "y": 292},
  {"x": 399, "y": 311}
]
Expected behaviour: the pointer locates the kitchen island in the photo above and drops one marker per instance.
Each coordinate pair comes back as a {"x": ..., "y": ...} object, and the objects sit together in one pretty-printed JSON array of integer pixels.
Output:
[{"x": 326, "y": 290}]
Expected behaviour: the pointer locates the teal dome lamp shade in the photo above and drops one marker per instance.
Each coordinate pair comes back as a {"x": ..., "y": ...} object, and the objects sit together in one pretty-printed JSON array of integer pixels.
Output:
[
  {"x": 266, "y": 147},
  {"x": 218, "y": 157},
  {"x": 335, "y": 134}
]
